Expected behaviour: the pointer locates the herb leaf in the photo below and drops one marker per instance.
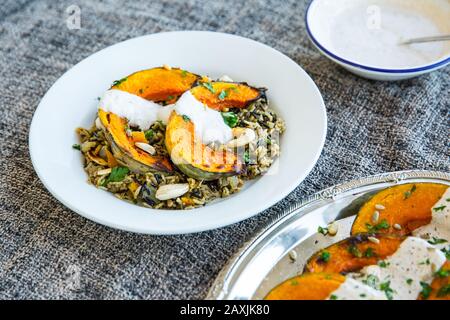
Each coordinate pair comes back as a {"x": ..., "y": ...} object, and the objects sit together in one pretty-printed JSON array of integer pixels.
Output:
[
  {"x": 118, "y": 82},
  {"x": 149, "y": 134},
  {"x": 408, "y": 194},
  {"x": 117, "y": 174},
  {"x": 426, "y": 290},
  {"x": 325, "y": 256},
  {"x": 369, "y": 253},
  {"x": 230, "y": 118},
  {"x": 444, "y": 290},
  {"x": 209, "y": 86},
  {"x": 435, "y": 240},
  {"x": 76, "y": 146},
  {"x": 441, "y": 208},
  {"x": 442, "y": 273},
  {"x": 386, "y": 287},
  {"x": 382, "y": 225},
  {"x": 355, "y": 251},
  {"x": 371, "y": 281},
  {"x": 186, "y": 118},
  {"x": 322, "y": 230}
]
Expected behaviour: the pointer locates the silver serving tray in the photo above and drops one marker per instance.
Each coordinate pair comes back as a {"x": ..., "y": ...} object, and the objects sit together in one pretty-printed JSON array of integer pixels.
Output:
[{"x": 267, "y": 259}]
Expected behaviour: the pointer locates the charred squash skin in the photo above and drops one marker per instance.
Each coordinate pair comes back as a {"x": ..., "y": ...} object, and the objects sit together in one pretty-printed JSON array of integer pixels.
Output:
[
  {"x": 192, "y": 157},
  {"x": 124, "y": 150},
  {"x": 158, "y": 84},
  {"x": 354, "y": 253},
  {"x": 310, "y": 286},
  {"x": 408, "y": 205},
  {"x": 220, "y": 95}
]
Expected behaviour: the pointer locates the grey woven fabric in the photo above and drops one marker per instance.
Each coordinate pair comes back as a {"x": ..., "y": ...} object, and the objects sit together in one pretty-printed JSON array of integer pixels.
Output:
[{"x": 47, "y": 251}]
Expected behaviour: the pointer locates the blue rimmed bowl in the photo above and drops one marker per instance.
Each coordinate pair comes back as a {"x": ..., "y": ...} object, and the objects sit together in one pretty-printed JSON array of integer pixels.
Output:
[{"x": 322, "y": 17}]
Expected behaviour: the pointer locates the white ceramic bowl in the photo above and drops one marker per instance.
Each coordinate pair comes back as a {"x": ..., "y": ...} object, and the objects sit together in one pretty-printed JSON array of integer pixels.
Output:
[
  {"x": 72, "y": 102},
  {"x": 322, "y": 16}
]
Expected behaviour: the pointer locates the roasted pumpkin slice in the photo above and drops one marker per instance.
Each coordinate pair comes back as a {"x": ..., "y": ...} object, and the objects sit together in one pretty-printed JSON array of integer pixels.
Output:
[
  {"x": 192, "y": 157},
  {"x": 440, "y": 287},
  {"x": 310, "y": 286},
  {"x": 401, "y": 209},
  {"x": 124, "y": 149},
  {"x": 219, "y": 95},
  {"x": 354, "y": 253},
  {"x": 158, "y": 84}
]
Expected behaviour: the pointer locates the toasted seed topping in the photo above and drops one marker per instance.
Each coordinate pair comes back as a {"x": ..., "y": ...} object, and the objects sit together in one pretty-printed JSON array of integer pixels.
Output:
[
  {"x": 379, "y": 207},
  {"x": 146, "y": 147},
  {"x": 167, "y": 67},
  {"x": 104, "y": 171},
  {"x": 397, "y": 226},
  {"x": 373, "y": 240},
  {"x": 171, "y": 191},
  {"x": 333, "y": 229},
  {"x": 375, "y": 216},
  {"x": 293, "y": 255}
]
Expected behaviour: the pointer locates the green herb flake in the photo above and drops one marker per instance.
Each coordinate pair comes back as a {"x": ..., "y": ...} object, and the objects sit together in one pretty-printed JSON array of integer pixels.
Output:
[
  {"x": 209, "y": 86},
  {"x": 446, "y": 252},
  {"x": 333, "y": 297},
  {"x": 186, "y": 118},
  {"x": 230, "y": 118},
  {"x": 441, "y": 208},
  {"x": 246, "y": 157},
  {"x": 426, "y": 290},
  {"x": 117, "y": 174},
  {"x": 442, "y": 273},
  {"x": 294, "y": 283},
  {"x": 363, "y": 295},
  {"x": 382, "y": 225},
  {"x": 371, "y": 281},
  {"x": 118, "y": 82},
  {"x": 76, "y": 146},
  {"x": 183, "y": 73},
  {"x": 355, "y": 251},
  {"x": 435, "y": 241},
  {"x": 325, "y": 256},
  {"x": 223, "y": 94},
  {"x": 149, "y": 134},
  {"x": 409, "y": 281},
  {"x": 383, "y": 264},
  {"x": 427, "y": 262},
  {"x": 408, "y": 193},
  {"x": 322, "y": 230},
  {"x": 369, "y": 253},
  {"x": 169, "y": 98},
  {"x": 386, "y": 287},
  {"x": 444, "y": 291}
]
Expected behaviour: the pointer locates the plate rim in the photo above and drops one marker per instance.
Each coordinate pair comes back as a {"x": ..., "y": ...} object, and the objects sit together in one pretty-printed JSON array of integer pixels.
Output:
[
  {"x": 182, "y": 229},
  {"x": 220, "y": 284}
]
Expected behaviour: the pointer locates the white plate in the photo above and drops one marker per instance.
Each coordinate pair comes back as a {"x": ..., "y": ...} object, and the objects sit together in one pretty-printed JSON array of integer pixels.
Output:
[
  {"x": 72, "y": 101},
  {"x": 324, "y": 16}
]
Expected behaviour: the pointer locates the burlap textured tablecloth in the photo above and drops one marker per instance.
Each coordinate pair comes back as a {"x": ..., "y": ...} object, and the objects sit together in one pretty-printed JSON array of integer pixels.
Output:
[{"x": 48, "y": 251}]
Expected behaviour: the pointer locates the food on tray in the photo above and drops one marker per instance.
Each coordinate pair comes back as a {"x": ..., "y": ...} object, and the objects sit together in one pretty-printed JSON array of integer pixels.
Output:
[
  {"x": 403, "y": 252},
  {"x": 166, "y": 138}
]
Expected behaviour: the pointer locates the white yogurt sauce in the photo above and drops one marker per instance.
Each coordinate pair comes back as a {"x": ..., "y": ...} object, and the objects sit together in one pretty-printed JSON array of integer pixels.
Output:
[
  {"x": 414, "y": 261},
  {"x": 138, "y": 111},
  {"x": 352, "y": 289},
  {"x": 208, "y": 123},
  {"x": 373, "y": 38},
  {"x": 439, "y": 227}
]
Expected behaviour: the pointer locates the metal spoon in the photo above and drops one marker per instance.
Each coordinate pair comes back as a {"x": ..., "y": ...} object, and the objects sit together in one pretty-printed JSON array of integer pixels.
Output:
[{"x": 426, "y": 39}]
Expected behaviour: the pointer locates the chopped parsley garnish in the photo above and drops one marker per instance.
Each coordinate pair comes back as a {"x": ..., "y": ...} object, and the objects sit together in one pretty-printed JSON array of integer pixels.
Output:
[
  {"x": 246, "y": 157},
  {"x": 408, "y": 193},
  {"x": 183, "y": 73},
  {"x": 209, "y": 86},
  {"x": 223, "y": 94},
  {"x": 444, "y": 290},
  {"x": 442, "y": 273},
  {"x": 386, "y": 287},
  {"x": 76, "y": 146},
  {"x": 441, "y": 208},
  {"x": 446, "y": 252},
  {"x": 383, "y": 264},
  {"x": 333, "y": 297},
  {"x": 409, "y": 281},
  {"x": 426, "y": 290},
  {"x": 230, "y": 118},
  {"x": 118, "y": 82},
  {"x": 355, "y": 251},
  {"x": 369, "y": 253},
  {"x": 117, "y": 174},
  {"x": 362, "y": 295},
  {"x": 435, "y": 240},
  {"x": 382, "y": 225},
  {"x": 149, "y": 134},
  {"x": 170, "y": 98},
  {"x": 325, "y": 256},
  {"x": 322, "y": 230},
  {"x": 371, "y": 281},
  {"x": 186, "y": 118}
]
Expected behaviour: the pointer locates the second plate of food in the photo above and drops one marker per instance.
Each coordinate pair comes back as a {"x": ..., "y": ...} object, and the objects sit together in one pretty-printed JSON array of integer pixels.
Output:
[{"x": 178, "y": 132}]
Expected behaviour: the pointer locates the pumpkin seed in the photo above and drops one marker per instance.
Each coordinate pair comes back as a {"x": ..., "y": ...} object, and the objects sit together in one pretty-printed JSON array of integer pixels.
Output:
[
  {"x": 397, "y": 226},
  {"x": 171, "y": 191},
  {"x": 375, "y": 216},
  {"x": 99, "y": 125},
  {"x": 379, "y": 207},
  {"x": 373, "y": 240},
  {"x": 167, "y": 67},
  {"x": 146, "y": 147},
  {"x": 333, "y": 229}
]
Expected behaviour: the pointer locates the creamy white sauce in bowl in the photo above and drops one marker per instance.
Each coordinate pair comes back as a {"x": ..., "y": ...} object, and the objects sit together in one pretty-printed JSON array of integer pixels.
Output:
[{"x": 364, "y": 36}]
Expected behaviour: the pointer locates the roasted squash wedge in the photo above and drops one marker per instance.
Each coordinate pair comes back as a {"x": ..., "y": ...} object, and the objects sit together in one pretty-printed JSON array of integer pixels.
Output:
[
  {"x": 310, "y": 286},
  {"x": 440, "y": 287},
  {"x": 192, "y": 157},
  {"x": 408, "y": 206},
  {"x": 158, "y": 84},
  {"x": 219, "y": 95},
  {"x": 354, "y": 253},
  {"x": 124, "y": 149}
]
